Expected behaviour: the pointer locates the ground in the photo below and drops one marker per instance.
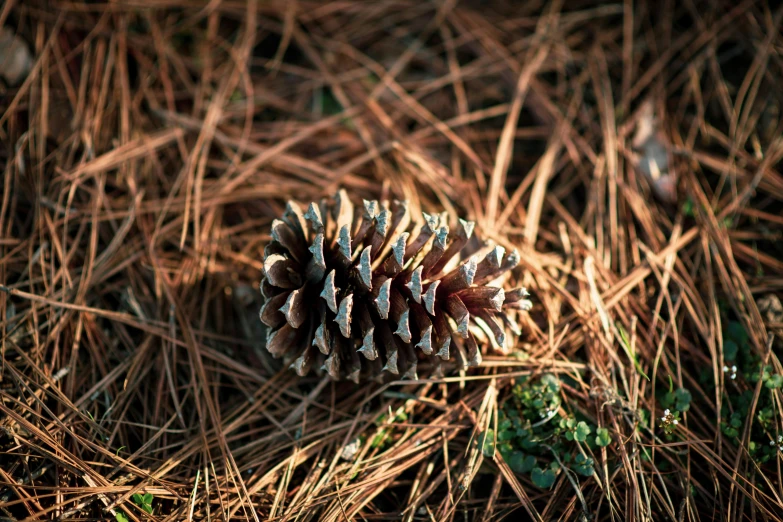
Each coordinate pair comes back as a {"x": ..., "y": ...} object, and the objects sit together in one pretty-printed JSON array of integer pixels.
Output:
[{"x": 629, "y": 151}]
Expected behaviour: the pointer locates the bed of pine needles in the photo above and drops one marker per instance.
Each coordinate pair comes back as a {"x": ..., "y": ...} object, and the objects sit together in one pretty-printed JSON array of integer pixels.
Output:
[{"x": 630, "y": 151}]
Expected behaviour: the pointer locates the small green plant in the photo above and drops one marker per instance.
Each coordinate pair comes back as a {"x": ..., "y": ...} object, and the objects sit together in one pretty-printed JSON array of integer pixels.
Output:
[
  {"x": 575, "y": 430},
  {"x": 143, "y": 501},
  {"x": 543, "y": 478},
  {"x": 533, "y": 427},
  {"x": 583, "y": 465},
  {"x": 669, "y": 421},
  {"x": 679, "y": 399},
  {"x": 676, "y": 402},
  {"x": 602, "y": 437},
  {"x": 745, "y": 369},
  {"x": 521, "y": 463}
]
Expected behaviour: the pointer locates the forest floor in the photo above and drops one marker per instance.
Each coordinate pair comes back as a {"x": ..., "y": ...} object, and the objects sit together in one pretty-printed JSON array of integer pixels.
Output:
[{"x": 630, "y": 151}]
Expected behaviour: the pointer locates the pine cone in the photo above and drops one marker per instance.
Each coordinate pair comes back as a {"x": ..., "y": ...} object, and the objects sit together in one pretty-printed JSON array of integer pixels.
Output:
[{"x": 360, "y": 291}]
